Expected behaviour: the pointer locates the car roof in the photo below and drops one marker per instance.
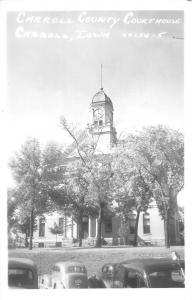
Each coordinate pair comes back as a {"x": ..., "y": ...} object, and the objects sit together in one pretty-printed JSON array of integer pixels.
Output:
[
  {"x": 150, "y": 264},
  {"x": 21, "y": 263}
]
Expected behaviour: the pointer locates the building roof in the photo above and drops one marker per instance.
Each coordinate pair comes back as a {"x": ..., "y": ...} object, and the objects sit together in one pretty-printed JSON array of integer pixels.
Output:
[{"x": 101, "y": 97}]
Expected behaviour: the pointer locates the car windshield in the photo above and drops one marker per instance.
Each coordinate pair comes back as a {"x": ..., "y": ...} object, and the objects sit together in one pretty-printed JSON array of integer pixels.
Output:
[
  {"x": 166, "y": 278},
  {"x": 23, "y": 278}
]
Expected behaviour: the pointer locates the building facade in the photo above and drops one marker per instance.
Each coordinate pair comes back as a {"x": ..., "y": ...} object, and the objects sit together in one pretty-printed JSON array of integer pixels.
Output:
[{"x": 150, "y": 230}]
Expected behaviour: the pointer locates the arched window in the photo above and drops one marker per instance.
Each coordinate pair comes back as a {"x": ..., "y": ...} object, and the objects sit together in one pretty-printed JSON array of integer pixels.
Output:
[{"x": 146, "y": 223}]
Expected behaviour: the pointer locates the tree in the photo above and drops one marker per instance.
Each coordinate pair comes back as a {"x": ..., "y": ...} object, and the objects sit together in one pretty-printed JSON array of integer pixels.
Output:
[
  {"x": 11, "y": 207},
  {"x": 35, "y": 173},
  {"x": 158, "y": 153},
  {"x": 181, "y": 226},
  {"x": 69, "y": 197},
  {"x": 79, "y": 183},
  {"x": 11, "y": 217},
  {"x": 18, "y": 220},
  {"x": 100, "y": 195},
  {"x": 142, "y": 197},
  {"x": 83, "y": 192},
  {"x": 130, "y": 190},
  {"x": 96, "y": 174},
  {"x": 25, "y": 167}
]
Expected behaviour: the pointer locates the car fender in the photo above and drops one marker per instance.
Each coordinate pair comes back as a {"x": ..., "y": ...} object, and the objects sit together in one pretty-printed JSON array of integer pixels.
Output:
[
  {"x": 44, "y": 281},
  {"x": 57, "y": 284},
  {"x": 94, "y": 282}
]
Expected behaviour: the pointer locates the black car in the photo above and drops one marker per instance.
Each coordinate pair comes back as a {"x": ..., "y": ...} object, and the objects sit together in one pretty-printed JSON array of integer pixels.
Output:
[
  {"x": 22, "y": 274},
  {"x": 141, "y": 273}
]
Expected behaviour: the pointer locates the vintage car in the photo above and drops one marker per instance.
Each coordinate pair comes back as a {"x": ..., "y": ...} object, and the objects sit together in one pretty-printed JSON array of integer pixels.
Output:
[
  {"x": 141, "y": 273},
  {"x": 69, "y": 274},
  {"x": 22, "y": 273}
]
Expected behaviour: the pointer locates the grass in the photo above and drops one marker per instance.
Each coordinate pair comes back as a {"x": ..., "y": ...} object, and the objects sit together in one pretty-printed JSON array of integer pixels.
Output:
[{"x": 93, "y": 258}]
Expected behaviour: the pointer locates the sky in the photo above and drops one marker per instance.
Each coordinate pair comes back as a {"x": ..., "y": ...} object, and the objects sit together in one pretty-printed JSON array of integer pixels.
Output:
[{"x": 58, "y": 71}]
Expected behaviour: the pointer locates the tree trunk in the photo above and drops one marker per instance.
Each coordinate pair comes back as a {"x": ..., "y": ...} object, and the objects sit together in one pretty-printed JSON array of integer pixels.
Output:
[
  {"x": 31, "y": 231},
  {"x": 173, "y": 219},
  {"x": 27, "y": 233},
  {"x": 80, "y": 230},
  {"x": 26, "y": 239},
  {"x": 99, "y": 223},
  {"x": 166, "y": 226},
  {"x": 135, "y": 242}
]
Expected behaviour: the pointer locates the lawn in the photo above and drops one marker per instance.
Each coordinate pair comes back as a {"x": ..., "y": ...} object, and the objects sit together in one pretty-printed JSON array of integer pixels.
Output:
[{"x": 92, "y": 258}]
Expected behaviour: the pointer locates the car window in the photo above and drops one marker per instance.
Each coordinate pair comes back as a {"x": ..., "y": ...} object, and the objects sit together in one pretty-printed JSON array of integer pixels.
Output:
[
  {"x": 135, "y": 279},
  {"x": 55, "y": 269},
  {"x": 166, "y": 278},
  {"x": 20, "y": 278},
  {"x": 177, "y": 276},
  {"x": 76, "y": 269}
]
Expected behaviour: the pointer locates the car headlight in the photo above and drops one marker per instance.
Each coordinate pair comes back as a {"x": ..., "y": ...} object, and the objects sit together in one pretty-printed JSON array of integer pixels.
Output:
[{"x": 111, "y": 268}]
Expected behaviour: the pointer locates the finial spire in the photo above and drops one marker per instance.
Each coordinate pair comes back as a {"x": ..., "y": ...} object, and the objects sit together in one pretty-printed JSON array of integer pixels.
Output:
[{"x": 101, "y": 77}]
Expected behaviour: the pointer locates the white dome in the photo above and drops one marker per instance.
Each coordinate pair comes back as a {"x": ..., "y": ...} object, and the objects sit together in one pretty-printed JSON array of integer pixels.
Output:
[{"x": 101, "y": 97}]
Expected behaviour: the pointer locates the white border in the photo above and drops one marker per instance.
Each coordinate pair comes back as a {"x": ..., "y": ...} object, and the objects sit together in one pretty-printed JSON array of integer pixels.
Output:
[
  {"x": 99, "y": 5},
  {"x": 96, "y": 5},
  {"x": 188, "y": 142}
]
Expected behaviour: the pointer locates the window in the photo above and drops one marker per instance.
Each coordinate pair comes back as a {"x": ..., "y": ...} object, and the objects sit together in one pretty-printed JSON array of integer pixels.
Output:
[
  {"x": 85, "y": 219},
  {"x": 42, "y": 227},
  {"x": 76, "y": 269},
  {"x": 100, "y": 122},
  {"x": 166, "y": 278},
  {"x": 55, "y": 269},
  {"x": 20, "y": 278},
  {"x": 146, "y": 223},
  {"x": 108, "y": 225},
  {"x": 135, "y": 279},
  {"x": 61, "y": 225},
  {"x": 132, "y": 220},
  {"x": 177, "y": 276}
]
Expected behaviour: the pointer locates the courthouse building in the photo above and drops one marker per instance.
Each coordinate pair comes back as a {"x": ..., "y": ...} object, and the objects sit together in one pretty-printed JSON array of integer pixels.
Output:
[{"x": 151, "y": 226}]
